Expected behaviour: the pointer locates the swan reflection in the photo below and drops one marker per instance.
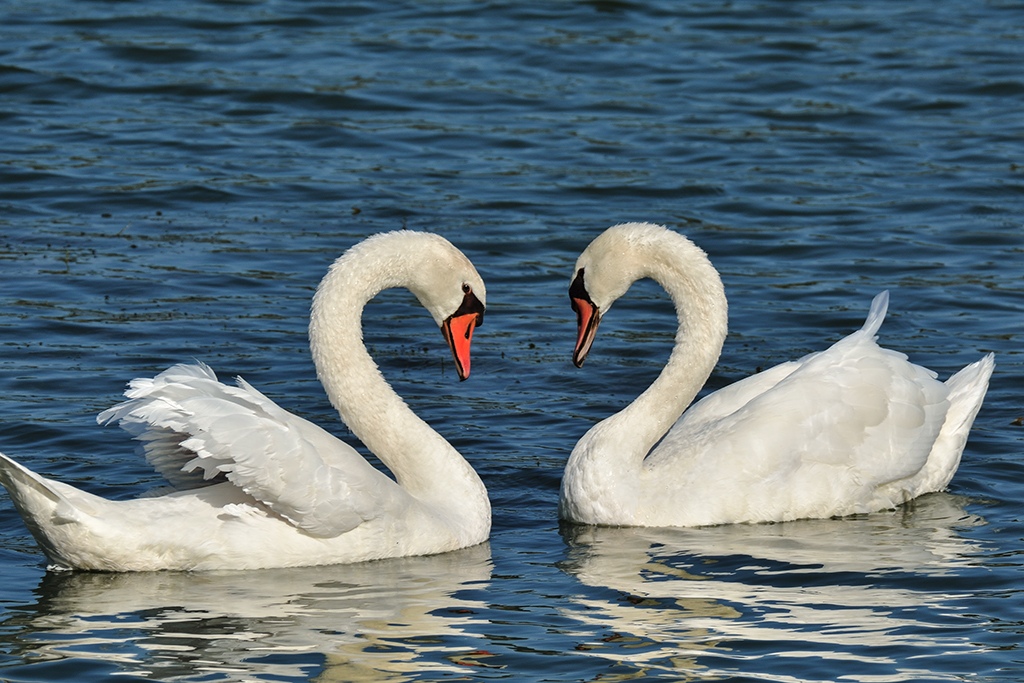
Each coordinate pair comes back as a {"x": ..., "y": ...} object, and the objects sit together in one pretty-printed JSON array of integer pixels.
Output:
[
  {"x": 397, "y": 618},
  {"x": 866, "y": 589}
]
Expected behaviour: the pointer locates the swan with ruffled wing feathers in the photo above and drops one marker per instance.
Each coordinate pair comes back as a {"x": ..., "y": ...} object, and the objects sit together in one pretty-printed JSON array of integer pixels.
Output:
[
  {"x": 852, "y": 429},
  {"x": 252, "y": 485}
]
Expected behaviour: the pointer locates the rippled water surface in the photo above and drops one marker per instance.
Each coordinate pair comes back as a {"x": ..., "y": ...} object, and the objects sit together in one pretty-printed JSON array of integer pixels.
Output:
[{"x": 176, "y": 177}]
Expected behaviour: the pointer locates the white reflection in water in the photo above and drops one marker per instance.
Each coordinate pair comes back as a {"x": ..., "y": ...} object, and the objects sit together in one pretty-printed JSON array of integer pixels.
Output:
[
  {"x": 715, "y": 601},
  {"x": 394, "y": 618}
]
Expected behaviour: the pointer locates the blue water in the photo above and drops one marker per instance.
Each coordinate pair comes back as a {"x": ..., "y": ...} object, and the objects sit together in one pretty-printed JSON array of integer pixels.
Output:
[{"x": 175, "y": 178}]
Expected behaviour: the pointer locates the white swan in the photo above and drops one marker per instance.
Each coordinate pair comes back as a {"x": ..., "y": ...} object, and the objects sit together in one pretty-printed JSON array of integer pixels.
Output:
[
  {"x": 852, "y": 429},
  {"x": 260, "y": 487}
]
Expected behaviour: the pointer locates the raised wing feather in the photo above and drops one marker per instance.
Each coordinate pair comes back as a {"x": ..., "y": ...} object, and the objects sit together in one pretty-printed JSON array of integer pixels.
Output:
[{"x": 196, "y": 430}]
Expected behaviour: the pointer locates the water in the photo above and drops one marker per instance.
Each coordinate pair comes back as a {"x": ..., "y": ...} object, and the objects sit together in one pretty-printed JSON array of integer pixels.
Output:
[{"x": 177, "y": 176}]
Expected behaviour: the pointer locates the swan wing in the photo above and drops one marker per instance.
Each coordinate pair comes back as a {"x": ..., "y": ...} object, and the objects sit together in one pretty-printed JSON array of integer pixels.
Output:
[
  {"x": 852, "y": 417},
  {"x": 195, "y": 430},
  {"x": 160, "y": 439}
]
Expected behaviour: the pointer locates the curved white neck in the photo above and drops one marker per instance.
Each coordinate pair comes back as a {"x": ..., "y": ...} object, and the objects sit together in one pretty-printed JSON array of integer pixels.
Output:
[
  {"x": 610, "y": 456},
  {"x": 702, "y": 311},
  {"x": 423, "y": 463}
]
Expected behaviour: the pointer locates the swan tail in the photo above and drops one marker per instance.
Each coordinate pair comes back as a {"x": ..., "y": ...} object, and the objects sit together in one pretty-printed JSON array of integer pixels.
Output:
[
  {"x": 967, "y": 390},
  {"x": 32, "y": 494},
  {"x": 879, "y": 306},
  {"x": 47, "y": 511}
]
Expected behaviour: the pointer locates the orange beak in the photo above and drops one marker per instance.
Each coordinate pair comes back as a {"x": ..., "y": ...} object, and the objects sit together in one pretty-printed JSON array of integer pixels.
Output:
[
  {"x": 588, "y": 317},
  {"x": 458, "y": 331}
]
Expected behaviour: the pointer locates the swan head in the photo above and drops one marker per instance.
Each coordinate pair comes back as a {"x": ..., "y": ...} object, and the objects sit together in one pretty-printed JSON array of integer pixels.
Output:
[
  {"x": 457, "y": 328},
  {"x": 620, "y": 256},
  {"x": 604, "y": 271},
  {"x": 440, "y": 276},
  {"x": 588, "y": 316},
  {"x": 448, "y": 286}
]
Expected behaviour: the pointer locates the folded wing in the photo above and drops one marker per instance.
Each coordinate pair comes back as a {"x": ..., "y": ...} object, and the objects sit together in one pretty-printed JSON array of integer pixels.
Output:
[{"x": 848, "y": 419}]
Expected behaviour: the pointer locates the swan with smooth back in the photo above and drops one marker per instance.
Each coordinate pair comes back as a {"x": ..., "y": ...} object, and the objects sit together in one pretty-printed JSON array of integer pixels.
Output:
[
  {"x": 254, "y": 486},
  {"x": 852, "y": 429}
]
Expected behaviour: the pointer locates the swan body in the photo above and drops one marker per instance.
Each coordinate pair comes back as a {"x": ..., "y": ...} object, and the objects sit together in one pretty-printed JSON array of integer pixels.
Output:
[
  {"x": 255, "y": 486},
  {"x": 852, "y": 429}
]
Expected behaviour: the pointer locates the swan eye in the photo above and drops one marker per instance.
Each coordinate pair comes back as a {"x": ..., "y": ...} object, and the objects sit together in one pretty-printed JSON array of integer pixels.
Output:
[{"x": 466, "y": 289}]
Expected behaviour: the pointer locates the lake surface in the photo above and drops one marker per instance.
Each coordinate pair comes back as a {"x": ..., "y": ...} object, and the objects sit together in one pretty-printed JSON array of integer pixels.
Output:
[{"x": 176, "y": 177}]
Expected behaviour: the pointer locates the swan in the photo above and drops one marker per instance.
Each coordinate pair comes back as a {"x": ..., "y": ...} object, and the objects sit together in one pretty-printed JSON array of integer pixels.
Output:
[
  {"x": 255, "y": 486},
  {"x": 852, "y": 429}
]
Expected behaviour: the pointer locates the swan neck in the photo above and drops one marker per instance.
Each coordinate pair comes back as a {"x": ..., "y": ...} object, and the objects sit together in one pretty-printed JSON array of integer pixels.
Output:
[
  {"x": 423, "y": 462},
  {"x": 702, "y": 311}
]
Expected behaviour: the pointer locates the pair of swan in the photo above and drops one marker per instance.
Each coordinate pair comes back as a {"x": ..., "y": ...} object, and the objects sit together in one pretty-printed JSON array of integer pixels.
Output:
[{"x": 852, "y": 429}]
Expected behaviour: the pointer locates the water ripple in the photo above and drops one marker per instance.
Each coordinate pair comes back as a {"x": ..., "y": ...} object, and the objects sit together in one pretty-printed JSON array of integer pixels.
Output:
[{"x": 177, "y": 177}]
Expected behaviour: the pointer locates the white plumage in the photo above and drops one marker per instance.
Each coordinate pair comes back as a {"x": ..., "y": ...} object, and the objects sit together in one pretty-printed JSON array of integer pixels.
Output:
[
  {"x": 253, "y": 485},
  {"x": 855, "y": 428}
]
